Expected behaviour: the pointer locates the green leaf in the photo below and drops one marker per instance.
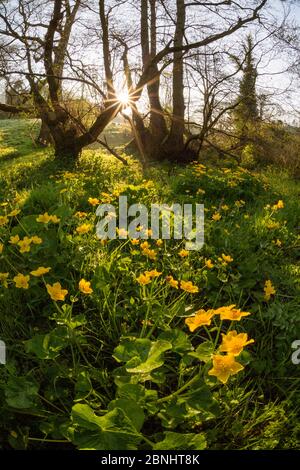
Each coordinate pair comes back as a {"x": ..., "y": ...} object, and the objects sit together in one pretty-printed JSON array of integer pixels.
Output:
[
  {"x": 113, "y": 431},
  {"x": 22, "y": 392},
  {"x": 132, "y": 347},
  {"x": 179, "y": 340},
  {"x": 83, "y": 386},
  {"x": 201, "y": 399},
  {"x": 131, "y": 409},
  {"x": 154, "y": 359},
  {"x": 177, "y": 441},
  {"x": 48, "y": 346},
  {"x": 204, "y": 351}
]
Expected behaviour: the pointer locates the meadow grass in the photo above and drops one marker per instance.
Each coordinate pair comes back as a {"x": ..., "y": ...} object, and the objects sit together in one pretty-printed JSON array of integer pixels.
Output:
[{"x": 116, "y": 353}]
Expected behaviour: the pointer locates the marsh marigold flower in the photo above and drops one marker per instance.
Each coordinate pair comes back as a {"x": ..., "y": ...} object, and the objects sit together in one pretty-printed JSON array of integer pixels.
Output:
[
  {"x": 21, "y": 281},
  {"x": 188, "y": 286},
  {"x": 1, "y": 248},
  {"x": 135, "y": 241},
  {"x": 224, "y": 367},
  {"x": 36, "y": 240},
  {"x": 172, "y": 282},
  {"x": 150, "y": 253},
  {"x": 234, "y": 343},
  {"x": 24, "y": 245},
  {"x": 14, "y": 239},
  {"x": 216, "y": 216},
  {"x": 44, "y": 218},
  {"x": 153, "y": 273},
  {"x": 269, "y": 290},
  {"x": 56, "y": 292},
  {"x": 14, "y": 212},
  {"x": 3, "y": 220},
  {"x": 54, "y": 219},
  {"x": 143, "y": 279},
  {"x": 93, "y": 201},
  {"x": 84, "y": 228},
  {"x": 85, "y": 287},
  {"x": 209, "y": 264},
  {"x": 145, "y": 245},
  {"x": 80, "y": 214},
  {"x": 159, "y": 242},
  {"x": 231, "y": 313},
  {"x": 279, "y": 205},
  {"x": 183, "y": 253},
  {"x": 40, "y": 271},
  {"x": 227, "y": 258},
  {"x": 3, "y": 278},
  {"x": 200, "y": 318}
]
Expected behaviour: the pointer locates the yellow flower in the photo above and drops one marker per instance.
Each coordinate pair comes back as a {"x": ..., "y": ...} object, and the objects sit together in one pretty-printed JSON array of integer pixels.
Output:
[
  {"x": 279, "y": 205},
  {"x": 150, "y": 253},
  {"x": 84, "y": 228},
  {"x": 277, "y": 242},
  {"x": 44, "y": 218},
  {"x": 234, "y": 343},
  {"x": 172, "y": 282},
  {"x": 85, "y": 287},
  {"x": 143, "y": 279},
  {"x": 183, "y": 253},
  {"x": 199, "y": 319},
  {"x": 149, "y": 232},
  {"x": 3, "y": 220},
  {"x": 224, "y": 367},
  {"x": 227, "y": 258},
  {"x": 159, "y": 242},
  {"x": 135, "y": 241},
  {"x": 145, "y": 245},
  {"x": 209, "y": 264},
  {"x": 3, "y": 278},
  {"x": 231, "y": 313},
  {"x": 122, "y": 232},
  {"x": 225, "y": 207},
  {"x": 14, "y": 240},
  {"x": 1, "y": 248},
  {"x": 216, "y": 216},
  {"x": 200, "y": 191},
  {"x": 272, "y": 225},
  {"x": 56, "y": 292},
  {"x": 24, "y": 245},
  {"x": 54, "y": 219},
  {"x": 21, "y": 281},
  {"x": 239, "y": 203},
  {"x": 36, "y": 240},
  {"x": 188, "y": 286},
  {"x": 14, "y": 213},
  {"x": 40, "y": 271},
  {"x": 93, "y": 201},
  {"x": 269, "y": 290},
  {"x": 153, "y": 273},
  {"x": 80, "y": 214}
]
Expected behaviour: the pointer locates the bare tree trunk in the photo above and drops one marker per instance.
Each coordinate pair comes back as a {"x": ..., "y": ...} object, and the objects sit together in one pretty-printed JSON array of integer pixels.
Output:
[
  {"x": 44, "y": 137},
  {"x": 175, "y": 142},
  {"x": 158, "y": 128}
]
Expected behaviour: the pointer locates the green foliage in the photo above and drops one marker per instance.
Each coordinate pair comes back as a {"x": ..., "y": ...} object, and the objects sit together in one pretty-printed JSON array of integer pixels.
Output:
[{"x": 117, "y": 367}]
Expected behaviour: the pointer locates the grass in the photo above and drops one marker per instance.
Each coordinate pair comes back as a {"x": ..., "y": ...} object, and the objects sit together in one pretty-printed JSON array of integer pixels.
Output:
[{"x": 116, "y": 366}]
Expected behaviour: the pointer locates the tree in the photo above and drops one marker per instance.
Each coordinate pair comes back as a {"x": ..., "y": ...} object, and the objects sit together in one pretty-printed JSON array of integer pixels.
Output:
[
  {"x": 165, "y": 141},
  {"x": 247, "y": 113}
]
